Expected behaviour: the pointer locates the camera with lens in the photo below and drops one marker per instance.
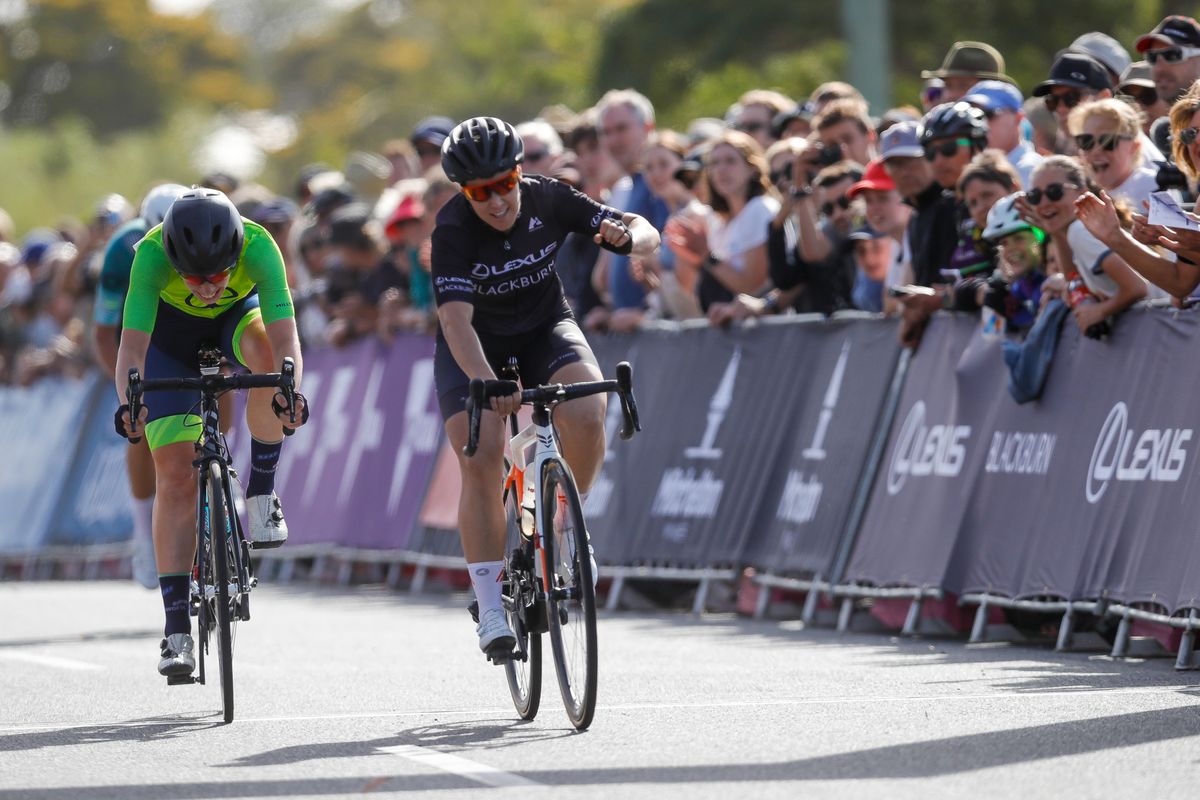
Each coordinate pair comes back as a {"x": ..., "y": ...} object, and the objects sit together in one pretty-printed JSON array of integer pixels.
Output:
[{"x": 1170, "y": 176}]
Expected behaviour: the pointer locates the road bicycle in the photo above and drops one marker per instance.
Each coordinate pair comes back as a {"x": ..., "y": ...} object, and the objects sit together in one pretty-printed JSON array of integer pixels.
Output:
[
  {"x": 548, "y": 584},
  {"x": 222, "y": 574}
]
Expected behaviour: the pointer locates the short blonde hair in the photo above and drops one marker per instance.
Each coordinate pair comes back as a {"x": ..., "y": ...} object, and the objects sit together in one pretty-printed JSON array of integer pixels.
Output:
[{"x": 1125, "y": 117}]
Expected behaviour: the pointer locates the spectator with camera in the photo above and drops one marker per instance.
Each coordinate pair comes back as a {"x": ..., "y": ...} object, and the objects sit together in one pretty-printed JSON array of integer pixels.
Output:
[
  {"x": 1098, "y": 283},
  {"x": 844, "y": 129}
]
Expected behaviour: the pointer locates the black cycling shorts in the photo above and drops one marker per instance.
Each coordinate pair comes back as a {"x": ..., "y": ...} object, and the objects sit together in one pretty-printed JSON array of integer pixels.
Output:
[{"x": 539, "y": 353}]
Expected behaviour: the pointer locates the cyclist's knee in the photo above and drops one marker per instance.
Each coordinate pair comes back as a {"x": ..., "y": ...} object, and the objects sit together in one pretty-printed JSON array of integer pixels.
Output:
[
  {"x": 582, "y": 418},
  {"x": 173, "y": 471}
]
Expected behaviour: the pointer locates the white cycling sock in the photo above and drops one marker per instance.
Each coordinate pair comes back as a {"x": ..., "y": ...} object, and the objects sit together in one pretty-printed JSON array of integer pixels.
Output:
[
  {"x": 143, "y": 518},
  {"x": 485, "y": 578}
]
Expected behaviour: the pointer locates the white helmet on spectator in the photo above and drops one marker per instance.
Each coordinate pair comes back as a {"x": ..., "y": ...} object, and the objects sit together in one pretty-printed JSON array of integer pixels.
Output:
[
  {"x": 158, "y": 200},
  {"x": 1004, "y": 218}
]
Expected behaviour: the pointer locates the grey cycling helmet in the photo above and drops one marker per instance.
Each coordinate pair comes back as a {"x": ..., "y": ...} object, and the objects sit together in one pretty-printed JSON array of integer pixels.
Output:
[
  {"x": 202, "y": 233},
  {"x": 158, "y": 200},
  {"x": 479, "y": 148},
  {"x": 952, "y": 120}
]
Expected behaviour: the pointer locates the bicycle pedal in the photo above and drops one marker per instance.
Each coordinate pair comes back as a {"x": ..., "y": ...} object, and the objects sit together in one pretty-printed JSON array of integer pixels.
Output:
[
  {"x": 180, "y": 680},
  {"x": 267, "y": 545},
  {"x": 501, "y": 652}
]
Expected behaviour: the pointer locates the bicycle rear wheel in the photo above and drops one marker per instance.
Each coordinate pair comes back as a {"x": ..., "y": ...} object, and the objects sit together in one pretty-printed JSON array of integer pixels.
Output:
[
  {"x": 521, "y": 607},
  {"x": 572, "y": 604},
  {"x": 219, "y": 522}
]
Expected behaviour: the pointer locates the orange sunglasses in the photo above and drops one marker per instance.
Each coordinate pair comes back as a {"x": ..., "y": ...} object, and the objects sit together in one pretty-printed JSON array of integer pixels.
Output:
[
  {"x": 483, "y": 193},
  {"x": 200, "y": 280}
]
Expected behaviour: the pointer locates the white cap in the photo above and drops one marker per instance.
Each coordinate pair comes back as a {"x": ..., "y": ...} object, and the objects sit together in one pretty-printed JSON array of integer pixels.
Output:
[{"x": 1105, "y": 49}]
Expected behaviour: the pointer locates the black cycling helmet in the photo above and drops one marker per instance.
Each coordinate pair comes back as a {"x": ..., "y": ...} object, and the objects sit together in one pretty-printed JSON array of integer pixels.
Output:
[
  {"x": 202, "y": 233},
  {"x": 479, "y": 148},
  {"x": 952, "y": 120}
]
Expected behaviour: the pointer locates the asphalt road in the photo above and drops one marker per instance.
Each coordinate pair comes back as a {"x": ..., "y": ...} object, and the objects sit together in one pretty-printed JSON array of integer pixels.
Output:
[{"x": 342, "y": 693}]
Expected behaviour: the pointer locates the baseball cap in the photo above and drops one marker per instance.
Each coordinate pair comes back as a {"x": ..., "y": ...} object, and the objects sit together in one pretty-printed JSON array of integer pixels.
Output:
[
  {"x": 275, "y": 211},
  {"x": 433, "y": 130},
  {"x": 410, "y": 208},
  {"x": 861, "y": 230},
  {"x": 329, "y": 199},
  {"x": 1137, "y": 74},
  {"x": 347, "y": 223},
  {"x": 1076, "y": 70},
  {"x": 971, "y": 58},
  {"x": 902, "y": 139},
  {"x": 1105, "y": 49},
  {"x": 874, "y": 177},
  {"x": 991, "y": 96},
  {"x": 1173, "y": 30}
]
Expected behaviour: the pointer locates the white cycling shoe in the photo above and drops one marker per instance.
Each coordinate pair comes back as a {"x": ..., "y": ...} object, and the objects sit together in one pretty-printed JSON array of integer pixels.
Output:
[
  {"x": 267, "y": 525},
  {"x": 495, "y": 637},
  {"x": 178, "y": 656}
]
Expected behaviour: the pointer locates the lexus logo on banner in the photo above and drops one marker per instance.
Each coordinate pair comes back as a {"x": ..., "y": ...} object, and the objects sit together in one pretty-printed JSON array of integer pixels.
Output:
[
  {"x": 923, "y": 450},
  {"x": 1157, "y": 454}
]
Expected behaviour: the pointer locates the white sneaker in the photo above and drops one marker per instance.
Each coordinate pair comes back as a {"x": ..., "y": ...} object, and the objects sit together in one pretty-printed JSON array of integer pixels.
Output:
[
  {"x": 142, "y": 562},
  {"x": 495, "y": 637},
  {"x": 178, "y": 656},
  {"x": 267, "y": 526}
]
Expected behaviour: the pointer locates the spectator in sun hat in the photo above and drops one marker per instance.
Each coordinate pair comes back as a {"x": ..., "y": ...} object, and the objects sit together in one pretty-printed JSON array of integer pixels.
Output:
[
  {"x": 1173, "y": 51},
  {"x": 1105, "y": 49},
  {"x": 1137, "y": 84},
  {"x": 966, "y": 64},
  {"x": 427, "y": 138},
  {"x": 1003, "y": 106}
]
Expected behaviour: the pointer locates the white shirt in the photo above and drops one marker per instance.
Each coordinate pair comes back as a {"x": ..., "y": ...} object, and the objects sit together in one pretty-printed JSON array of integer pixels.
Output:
[
  {"x": 730, "y": 240},
  {"x": 1023, "y": 159},
  {"x": 1137, "y": 188},
  {"x": 1088, "y": 253}
]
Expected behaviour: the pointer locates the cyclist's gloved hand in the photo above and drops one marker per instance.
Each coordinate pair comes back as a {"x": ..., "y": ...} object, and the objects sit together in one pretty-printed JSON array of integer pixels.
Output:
[
  {"x": 614, "y": 236},
  {"x": 121, "y": 422},
  {"x": 505, "y": 396},
  {"x": 282, "y": 411}
]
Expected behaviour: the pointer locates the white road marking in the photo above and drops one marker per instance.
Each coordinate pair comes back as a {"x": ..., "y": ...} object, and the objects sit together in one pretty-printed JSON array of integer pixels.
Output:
[
  {"x": 52, "y": 661},
  {"x": 456, "y": 765},
  {"x": 504, "y": 711}
]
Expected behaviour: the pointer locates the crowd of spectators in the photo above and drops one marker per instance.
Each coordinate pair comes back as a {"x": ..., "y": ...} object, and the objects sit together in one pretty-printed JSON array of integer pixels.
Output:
[{"x": 975, "y": 197}]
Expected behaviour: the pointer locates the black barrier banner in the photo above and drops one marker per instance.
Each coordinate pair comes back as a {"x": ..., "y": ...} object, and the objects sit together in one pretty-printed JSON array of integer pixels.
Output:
[
  {"x": 1092, "y": 491},
  {"x": 690, "y": 487},
  {"x": 933, "y": 455},
  {"x": 837, "y": 395}
]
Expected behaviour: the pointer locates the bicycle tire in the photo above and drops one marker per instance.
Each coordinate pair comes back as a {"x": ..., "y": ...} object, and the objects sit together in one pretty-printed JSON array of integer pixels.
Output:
[
  {"x": 219, "y": 523},
  {"x": 572, "y": 596},
  {"x": 520, "y": 579}
]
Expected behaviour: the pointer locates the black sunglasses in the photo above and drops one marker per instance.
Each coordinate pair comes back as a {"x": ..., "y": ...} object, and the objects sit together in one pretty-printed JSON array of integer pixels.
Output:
[
  {"x": 947, "y": 148},
  {"x": 752, "y": 127},
  {"x": 842, "y": 202},
  {"x": 1070, "y": 99},
  {"x": 1188, "y": 135},
  {"x": 1171, "y": 55},
  {"x": 1053, "y": 193},
  {"x": 783, "y": 173},
  {"x": 1107, "y": 141},
  {"x": 1142, "y": 95},
  {"x": 537, "y": 155}
]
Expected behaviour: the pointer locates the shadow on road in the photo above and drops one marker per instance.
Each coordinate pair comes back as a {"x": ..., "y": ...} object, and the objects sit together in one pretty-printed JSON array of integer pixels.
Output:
[
  {"x": 927, "y": 759},
  {"x": 150, "y": 729}
]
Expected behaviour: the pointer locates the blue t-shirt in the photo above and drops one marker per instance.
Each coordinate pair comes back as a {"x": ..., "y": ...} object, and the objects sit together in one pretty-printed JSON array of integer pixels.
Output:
[{"x": 622, "y": 288}]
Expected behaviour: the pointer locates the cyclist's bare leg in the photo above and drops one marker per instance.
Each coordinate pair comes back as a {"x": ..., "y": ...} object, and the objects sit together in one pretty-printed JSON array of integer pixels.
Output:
[
  {"x": 175, "y": 508},
  {"x": 580, "y": 425},
  {"x": 481, "y": 521},
  {"x": 141, "y": 470},
  {"x": 257, "y": 355}
]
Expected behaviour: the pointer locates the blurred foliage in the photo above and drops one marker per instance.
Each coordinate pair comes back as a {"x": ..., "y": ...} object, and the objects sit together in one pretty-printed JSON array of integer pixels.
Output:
[{"x": 103, "y": 95}]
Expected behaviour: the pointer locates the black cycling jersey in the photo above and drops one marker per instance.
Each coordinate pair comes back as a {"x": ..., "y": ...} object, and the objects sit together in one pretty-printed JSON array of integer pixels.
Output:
[{"x": 509, "y": 277}]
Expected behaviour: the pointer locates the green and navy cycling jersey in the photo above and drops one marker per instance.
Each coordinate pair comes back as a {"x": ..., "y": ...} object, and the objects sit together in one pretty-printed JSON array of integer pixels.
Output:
[
  {"x": 114, "y": 273},
  {"x": 260, "y": 266},
  {"x": 509, "y": 277}
]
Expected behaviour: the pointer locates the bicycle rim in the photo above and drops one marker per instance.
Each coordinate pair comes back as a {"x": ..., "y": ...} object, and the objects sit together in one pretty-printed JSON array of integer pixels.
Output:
[
  {"x": 572, "y": 605},
  {"x": 219, "y": 527},
  {"x": 520, "y": 585}
]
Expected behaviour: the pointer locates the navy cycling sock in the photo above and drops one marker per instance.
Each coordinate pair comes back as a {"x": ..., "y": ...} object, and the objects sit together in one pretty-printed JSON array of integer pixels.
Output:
[
  {"x": 174, "y": 590},
  {"x": 264, "y": 457}
]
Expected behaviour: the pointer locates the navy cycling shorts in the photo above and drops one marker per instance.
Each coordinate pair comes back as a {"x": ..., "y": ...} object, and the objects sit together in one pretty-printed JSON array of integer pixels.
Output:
[{"x": 539, "y": 353}]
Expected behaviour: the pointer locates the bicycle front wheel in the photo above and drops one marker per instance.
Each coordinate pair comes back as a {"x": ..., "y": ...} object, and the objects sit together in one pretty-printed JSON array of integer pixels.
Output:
[
  {"x": 219, "y": 528},
  {"x": 524, "y": 670},
  {"x": 572, "y": 604}
]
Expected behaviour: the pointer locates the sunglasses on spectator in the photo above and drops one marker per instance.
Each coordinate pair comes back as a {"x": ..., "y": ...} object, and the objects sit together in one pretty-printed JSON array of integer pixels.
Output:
[
  {"x": 1069, "y": 100},
  {"x": 1142, "y": 95},
  {"x": 946, "y": 149},
  {"x": 1106, "y": 141},
  {"x": 1053, "y": 193},
  {"x": 1172, "y": 55},
  {"x": 752, "y": 127},
  {"x": 1188, "y": 135},
  {"x": 842, "y": 202},
  {"x": 484, "y": 192},
  {"x": 536, "y": 156},
  {"x": 200, "y": 280}
]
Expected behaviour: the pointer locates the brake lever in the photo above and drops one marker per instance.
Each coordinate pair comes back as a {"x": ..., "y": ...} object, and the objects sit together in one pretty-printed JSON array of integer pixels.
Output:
[
  {"x": 133, "y": 396},
  {"x": 476, "y": 397}
]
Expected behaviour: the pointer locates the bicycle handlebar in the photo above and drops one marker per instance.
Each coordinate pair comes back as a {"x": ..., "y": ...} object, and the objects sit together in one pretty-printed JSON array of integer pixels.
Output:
[
  {"x": 284, "y": 381},
  {"x": 480, "y": 391}
]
